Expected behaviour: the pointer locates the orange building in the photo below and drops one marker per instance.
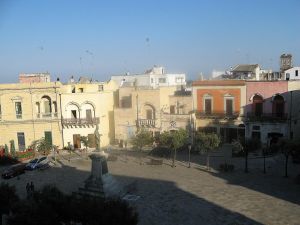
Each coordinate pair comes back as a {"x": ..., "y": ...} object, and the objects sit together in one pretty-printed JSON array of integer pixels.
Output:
[{"x": 220, "y": 107}]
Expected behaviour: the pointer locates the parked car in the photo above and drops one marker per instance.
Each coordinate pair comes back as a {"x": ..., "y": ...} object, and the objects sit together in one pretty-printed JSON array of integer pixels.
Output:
[
  {"x": 37, "y": 163},
  {"x": 14, "y": 170}
]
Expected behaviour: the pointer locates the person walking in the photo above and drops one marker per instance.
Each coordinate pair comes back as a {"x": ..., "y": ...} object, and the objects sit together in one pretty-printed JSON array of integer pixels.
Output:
[
  {"x": 31, "y": 187},
  {"x": 28, "y": 189}
]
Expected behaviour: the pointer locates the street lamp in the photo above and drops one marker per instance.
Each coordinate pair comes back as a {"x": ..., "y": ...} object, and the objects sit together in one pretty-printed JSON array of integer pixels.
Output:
[{"x": 190, "y": 147}]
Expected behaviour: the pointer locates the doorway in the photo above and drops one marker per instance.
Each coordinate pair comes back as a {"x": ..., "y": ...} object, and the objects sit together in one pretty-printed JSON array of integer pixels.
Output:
[{"x": 76, "y": 141}]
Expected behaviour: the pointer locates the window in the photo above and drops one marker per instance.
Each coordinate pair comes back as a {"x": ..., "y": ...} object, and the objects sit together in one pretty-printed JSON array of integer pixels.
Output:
[
  {"x": 296, "y": 73},
  {"x": 152, "y": 80},
  {"x": 162, "y": 80},
  {"x": 73, "y": 114},
  {"x": 172, "y": 109},
  {"x": 207, "y": 106},
  {"x": 229, "y": 106},
  {"x": 55, "y": 106},
  {"x": 257, "y": 105},
  {"x": 88, "y": 114},
  {"x": 80, "y": 90},
  {"x": 278, "y": 106},
  {"x": 100, "y": 87},
  {"x": 149, "y": 114},
  {"x": 73, "y": 89},
  {"x": 48, "y": 137},
  {"x": 18, "y": 107},
  {"x": 21, "y": 141},
  {"x": 126, "y": 102},
  {"x": 179, "y": 79}
]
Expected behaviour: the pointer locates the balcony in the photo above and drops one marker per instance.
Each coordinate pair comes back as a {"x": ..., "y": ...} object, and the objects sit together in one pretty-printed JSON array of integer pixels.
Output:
[
  {"x": 80, "y": 121},
  {"x": 46, "y": 115},
  {"x": 267, "y": 117},
  {"x": 216, "y": 115},
  {"x": 146, "y": 122}
]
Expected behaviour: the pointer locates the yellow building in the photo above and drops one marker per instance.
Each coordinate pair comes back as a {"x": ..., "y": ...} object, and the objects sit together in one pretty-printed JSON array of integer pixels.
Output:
[
  {"x": 157, "y": 110},
  {"x": 84, "y": 105},
  {"x": 29, "y": 112}
]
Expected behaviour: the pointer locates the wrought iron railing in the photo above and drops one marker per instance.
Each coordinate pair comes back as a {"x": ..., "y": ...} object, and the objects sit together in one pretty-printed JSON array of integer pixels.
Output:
[
  {"x": 80, "y": 121},
  {"x": 146, "y": 122},
  {"x": 217, "y": 114},
  {"x": 267, "y": 116}
]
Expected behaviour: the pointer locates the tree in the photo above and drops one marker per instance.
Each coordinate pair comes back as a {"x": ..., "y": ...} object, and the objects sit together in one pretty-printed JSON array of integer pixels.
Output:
[
  {"x": 141, "y": 139},
  {"x": 6, "y": 150},
  {"x": 174, "y": 140},
  {"x": 12, "y": 148},
  {"x": 239, "y": 147},
  {"x": 287, "y": 147},
  {"x": 207, "y": 143},
  {"x": 44, "y": 146},
  {"x": 85, "y": 142},
  {"x": 7, "y": 198},
  {"x": 50, "y": 206}
]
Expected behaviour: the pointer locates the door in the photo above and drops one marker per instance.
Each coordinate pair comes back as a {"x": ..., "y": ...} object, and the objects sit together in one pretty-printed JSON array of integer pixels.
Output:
[
  {"x": 207, "y": 106},
  {"x": 88, "y": 114},
  {"x": 48, "y": 137},
  {"x": 91, "y": 141},
  {"x": 229, "y": 107},
  {"x": 21, "y": 141},
  {"x": 76, "y": 141}
]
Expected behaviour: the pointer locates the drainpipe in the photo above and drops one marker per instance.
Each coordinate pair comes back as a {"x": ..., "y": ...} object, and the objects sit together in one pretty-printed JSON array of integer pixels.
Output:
[
  {"x": 290, "y": 119},
  {"x": 61, "y": 120}
]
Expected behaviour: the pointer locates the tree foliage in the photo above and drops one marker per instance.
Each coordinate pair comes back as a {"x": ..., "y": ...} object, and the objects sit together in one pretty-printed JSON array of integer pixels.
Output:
[
  {"x": 7, "y": 197},
  {"x": 43, "y": 146},
  {"x": 175, "y": 139},
  {"x": 84, "y": 140},
  {"x": 50, "y": 206},
  {"x": 207, "y": 142},
  {"x": 141, "y": 139}
]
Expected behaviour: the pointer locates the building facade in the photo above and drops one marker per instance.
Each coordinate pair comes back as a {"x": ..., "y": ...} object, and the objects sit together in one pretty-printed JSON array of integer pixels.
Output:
[
  {"x": 86, "y": 107},
  {"x": 157, "y": 110},
  {"x": 155, "y": 77},
  {"x": 267, "y": 110},
  {"x": 30, "y": 112},
  {"x": 219, "y": 107}
]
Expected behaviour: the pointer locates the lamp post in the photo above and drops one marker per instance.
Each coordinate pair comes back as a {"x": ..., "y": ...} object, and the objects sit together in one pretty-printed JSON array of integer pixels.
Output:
[{"x": 190, "y": 147}]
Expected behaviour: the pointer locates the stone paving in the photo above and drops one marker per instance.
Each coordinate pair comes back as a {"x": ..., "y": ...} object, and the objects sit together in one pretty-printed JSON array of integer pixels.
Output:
[{"x": 186, "y": 196}]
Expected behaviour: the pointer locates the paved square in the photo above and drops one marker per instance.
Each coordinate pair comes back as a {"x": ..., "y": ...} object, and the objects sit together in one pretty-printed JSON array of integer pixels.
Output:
[{"x": 186, "y": 196}]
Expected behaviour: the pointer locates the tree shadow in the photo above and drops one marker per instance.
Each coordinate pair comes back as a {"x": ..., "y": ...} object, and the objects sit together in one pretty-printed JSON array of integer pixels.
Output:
[{"x": 160, "y": 202}]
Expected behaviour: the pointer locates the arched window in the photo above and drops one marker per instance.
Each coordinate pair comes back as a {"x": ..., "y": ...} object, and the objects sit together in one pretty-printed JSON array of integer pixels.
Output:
[
  {"x": 149, "y": 112},
  {"x": 46, "y": 106},
  {"x": 278, "y": 106},
  {"x": 257, "y": 105}
]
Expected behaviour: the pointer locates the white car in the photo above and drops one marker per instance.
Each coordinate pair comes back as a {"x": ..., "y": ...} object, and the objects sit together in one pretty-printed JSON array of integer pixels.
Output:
[{"x": 37, "y": 163}]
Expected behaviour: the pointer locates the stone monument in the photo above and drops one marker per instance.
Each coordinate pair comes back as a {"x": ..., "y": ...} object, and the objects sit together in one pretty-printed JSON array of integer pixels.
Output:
[
  {"x": 100, "y": 183},
  {"x": 97, "y": 142}
]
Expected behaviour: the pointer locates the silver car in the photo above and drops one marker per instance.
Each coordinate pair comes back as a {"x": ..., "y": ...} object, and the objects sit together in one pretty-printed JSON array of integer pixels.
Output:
[{"x": 38, "y": 163}]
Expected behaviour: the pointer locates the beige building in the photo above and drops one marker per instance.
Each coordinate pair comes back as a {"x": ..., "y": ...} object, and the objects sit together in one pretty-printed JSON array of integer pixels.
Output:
[
  {"x": 84, "y": 106},
  {"x": 154, "y": 109},
  {"x": 29, "y": 112},
  {"x": 294, "y": 108}
]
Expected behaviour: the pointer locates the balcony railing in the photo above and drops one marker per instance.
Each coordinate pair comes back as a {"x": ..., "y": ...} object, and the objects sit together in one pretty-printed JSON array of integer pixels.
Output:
[
  {"x": 46, "y": 115},
  {"x": 80, "y": 121},
  {"x": 217, "y": 115},
  {"x": 267, "y": 116},
  {"x": 146, "y": 122}
]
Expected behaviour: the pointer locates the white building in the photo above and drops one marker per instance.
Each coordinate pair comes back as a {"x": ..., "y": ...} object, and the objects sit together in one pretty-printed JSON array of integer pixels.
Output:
[
  {"x": 292, "y": 73},
  {"x": 155, "y": 77}
]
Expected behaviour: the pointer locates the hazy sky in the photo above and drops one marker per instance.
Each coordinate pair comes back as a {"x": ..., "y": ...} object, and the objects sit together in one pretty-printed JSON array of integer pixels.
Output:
[{"x": 102, "y": 38}]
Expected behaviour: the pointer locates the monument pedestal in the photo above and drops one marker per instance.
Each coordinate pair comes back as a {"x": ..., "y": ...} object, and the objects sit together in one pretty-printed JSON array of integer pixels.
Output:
[{"x": 100, "y": 183}]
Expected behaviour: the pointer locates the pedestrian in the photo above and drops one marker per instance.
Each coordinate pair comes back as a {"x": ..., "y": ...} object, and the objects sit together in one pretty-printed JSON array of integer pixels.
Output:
[
  {"x": 27, "y": 189},
  {"x": 31, "y": 187}
]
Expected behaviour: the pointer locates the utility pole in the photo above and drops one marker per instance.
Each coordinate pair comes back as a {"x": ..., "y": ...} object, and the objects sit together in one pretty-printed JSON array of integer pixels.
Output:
[{"x": 290, "y": 117}]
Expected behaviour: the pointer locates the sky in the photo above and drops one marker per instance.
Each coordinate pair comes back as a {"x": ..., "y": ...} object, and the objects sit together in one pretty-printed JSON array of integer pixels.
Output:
[{"x": 111, "y": 37}]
